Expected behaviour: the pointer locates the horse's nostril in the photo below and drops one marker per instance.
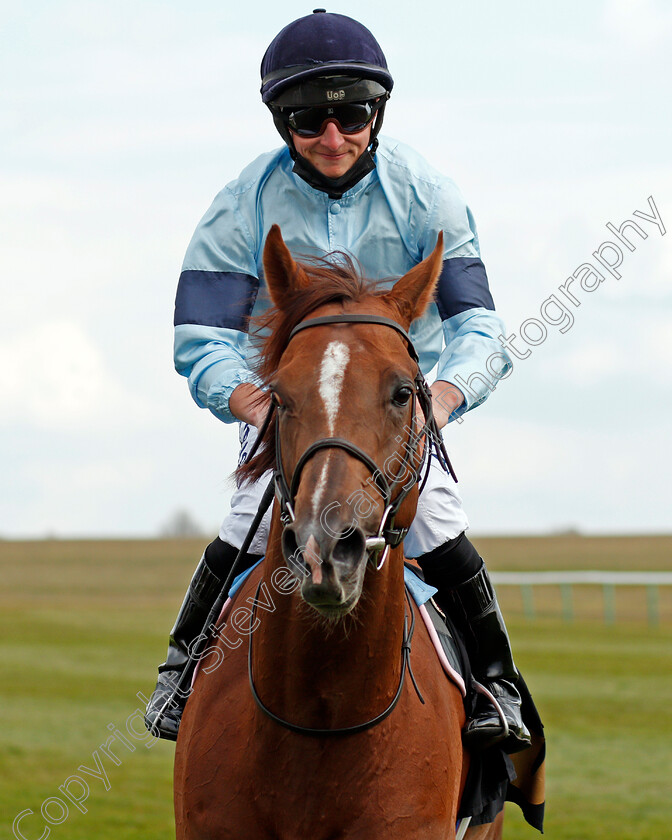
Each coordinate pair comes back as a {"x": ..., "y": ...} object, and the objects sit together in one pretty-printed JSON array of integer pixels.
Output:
[{"x": 350, "y": 548}]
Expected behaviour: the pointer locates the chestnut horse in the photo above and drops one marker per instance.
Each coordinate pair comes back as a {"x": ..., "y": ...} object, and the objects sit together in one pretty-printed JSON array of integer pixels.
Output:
[{"x": 338, "y": 744}]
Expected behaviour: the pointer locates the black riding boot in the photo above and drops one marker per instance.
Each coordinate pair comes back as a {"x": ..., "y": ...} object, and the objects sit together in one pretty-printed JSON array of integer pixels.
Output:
[
  {"x": 201, "y": 595},
  {"x": 473, "y": 606},
  {"x": 489, "y": 651},
  {"x": 164, "y": 710}
]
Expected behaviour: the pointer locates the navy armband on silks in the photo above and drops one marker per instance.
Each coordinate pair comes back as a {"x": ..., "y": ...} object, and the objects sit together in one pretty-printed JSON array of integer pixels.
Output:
[
  {"x": 215, "y": 299},
  {"x": 463, "y": 284}
]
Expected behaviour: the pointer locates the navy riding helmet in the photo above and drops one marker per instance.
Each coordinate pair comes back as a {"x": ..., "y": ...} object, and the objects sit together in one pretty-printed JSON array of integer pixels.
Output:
[
  {"x": 318, "y": 60},
  {"x": 321, "y": 44}
]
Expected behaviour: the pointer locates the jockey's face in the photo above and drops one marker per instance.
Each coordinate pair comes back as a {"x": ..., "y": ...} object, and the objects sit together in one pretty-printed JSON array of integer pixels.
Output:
[{"x": 333, "y": 153}]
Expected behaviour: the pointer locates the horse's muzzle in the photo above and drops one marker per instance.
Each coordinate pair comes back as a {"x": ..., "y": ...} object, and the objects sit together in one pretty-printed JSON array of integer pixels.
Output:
[{"x": 331, "y": 569}]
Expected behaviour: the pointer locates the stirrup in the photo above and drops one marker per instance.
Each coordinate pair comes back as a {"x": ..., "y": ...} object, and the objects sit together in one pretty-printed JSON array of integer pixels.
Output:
[
  {"x": 485, "y": 730},
  {"x": 165, "y": 708}
]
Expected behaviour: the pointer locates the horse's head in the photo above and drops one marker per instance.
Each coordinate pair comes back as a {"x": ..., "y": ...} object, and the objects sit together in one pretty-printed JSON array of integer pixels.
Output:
[{"x": 346, "y": 397}]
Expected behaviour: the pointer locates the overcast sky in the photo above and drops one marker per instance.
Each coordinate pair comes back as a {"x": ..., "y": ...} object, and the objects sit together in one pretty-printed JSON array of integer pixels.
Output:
[{"x": 120, "y": 121}]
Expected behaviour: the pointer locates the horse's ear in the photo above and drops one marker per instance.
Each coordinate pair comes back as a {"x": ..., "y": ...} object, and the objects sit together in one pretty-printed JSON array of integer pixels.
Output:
[
  {"x": 413, "y": 292},
  {"x": 283, "y": 275}
]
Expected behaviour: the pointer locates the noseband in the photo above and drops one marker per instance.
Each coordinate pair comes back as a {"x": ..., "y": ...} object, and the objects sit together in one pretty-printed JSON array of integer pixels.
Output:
[{"x": 388, "y": 536}]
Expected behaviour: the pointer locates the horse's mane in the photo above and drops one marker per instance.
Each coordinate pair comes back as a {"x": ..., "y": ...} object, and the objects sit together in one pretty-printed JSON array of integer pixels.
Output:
[{"x": 335, "y": 278}]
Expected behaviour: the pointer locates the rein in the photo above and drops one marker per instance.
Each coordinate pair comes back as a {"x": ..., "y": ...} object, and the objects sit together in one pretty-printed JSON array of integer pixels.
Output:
[
  {"x": 388, "y": 536},
  {"x": 358, "y": 727}
]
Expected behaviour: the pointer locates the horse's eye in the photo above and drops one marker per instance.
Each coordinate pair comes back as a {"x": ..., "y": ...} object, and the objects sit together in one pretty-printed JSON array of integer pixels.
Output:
[{"x": 402, "y": 395}]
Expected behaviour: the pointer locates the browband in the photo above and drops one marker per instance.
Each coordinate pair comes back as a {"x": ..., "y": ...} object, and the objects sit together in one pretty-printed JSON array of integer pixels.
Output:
[{"x": 357, "y": 319}]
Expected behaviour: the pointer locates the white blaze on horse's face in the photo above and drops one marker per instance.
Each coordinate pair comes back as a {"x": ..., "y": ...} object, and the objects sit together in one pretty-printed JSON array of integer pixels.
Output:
[{"x": 332, "y": 372}]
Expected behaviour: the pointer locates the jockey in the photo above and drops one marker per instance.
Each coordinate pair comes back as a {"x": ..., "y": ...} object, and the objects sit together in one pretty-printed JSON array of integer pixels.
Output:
[{"x": 337, "y": 185}]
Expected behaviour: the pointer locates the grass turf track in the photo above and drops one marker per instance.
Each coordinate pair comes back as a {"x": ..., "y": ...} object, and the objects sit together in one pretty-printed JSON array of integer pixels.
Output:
[{"x": 84, "y": 624}]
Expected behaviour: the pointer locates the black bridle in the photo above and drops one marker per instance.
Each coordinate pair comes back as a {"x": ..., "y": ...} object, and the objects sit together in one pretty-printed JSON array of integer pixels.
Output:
[{"x": 388, "y": 536}]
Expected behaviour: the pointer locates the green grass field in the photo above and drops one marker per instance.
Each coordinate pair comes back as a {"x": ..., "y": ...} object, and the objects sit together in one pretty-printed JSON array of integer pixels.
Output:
[{"x": 84, "y": 624}]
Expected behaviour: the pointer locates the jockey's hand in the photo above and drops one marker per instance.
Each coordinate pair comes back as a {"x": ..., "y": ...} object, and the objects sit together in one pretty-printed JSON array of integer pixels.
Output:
[
  {"x": 249, "y": 404},
  {"x": 445, "y": 399}
]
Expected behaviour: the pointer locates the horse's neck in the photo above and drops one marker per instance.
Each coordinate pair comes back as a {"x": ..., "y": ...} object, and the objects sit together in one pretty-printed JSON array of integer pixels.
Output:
[{"x": 318, "y": 674}]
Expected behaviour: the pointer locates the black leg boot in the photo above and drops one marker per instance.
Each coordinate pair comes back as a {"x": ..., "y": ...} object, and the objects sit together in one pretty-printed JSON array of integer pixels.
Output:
[
  {"x": 165, "y": 707},
  {"x": 489, "y": 649},
  {"x": 201, "y": 595},
  {"x": 457, "y": 570}
]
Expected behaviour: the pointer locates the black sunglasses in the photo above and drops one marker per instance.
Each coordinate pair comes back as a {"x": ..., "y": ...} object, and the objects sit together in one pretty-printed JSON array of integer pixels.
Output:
[{"x": 351, "y": 117}]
